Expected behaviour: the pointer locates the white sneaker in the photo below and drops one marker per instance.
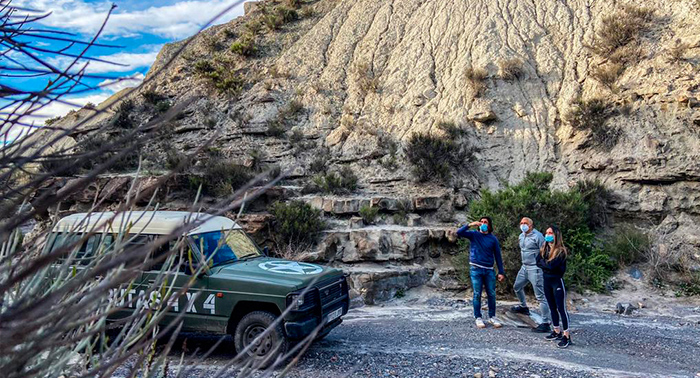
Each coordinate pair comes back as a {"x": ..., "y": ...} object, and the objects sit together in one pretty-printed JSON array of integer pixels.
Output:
[
  {"x": 495, "y": 323},
  {"x": 480, "y": 323}
]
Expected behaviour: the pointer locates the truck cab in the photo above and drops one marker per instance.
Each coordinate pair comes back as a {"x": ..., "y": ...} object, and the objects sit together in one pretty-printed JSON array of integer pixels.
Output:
[{"x": 241, "y": 291}]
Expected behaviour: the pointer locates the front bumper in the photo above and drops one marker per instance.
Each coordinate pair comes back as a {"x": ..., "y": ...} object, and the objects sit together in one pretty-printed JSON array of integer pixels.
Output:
[
  {"x": 299, "y": 330},
  {"x": 302, "y": 323}
]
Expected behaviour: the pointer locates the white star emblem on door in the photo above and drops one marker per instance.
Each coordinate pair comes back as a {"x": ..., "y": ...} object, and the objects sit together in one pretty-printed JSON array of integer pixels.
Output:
[{"x": 290, "y": 267}]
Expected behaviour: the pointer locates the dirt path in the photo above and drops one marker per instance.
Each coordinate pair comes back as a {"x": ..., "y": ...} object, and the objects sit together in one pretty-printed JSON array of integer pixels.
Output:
[{"x": 440, "y": 340}]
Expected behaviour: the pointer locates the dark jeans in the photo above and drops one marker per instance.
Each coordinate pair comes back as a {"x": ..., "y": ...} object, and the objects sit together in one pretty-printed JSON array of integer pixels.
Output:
[
  {"x": 555, "y": 292},
  {"x": 483, "y": 277}
]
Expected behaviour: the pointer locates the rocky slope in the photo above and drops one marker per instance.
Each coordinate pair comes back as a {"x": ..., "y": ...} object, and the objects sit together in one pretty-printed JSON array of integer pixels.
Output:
[{"x": 352, "y": 79}]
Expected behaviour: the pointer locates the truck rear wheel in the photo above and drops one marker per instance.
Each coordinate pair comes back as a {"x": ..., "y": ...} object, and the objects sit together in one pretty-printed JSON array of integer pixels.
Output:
[{"x": 265, "y": 351}]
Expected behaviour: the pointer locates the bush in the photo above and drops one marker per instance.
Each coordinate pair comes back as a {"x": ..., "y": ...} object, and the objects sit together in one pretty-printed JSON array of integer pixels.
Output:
[
  {"x": 163, "y": 106},
  {"x": 320, "y": 163},
  {"x": 296, "y": 137},
  {"x": 244, "y": 46},
  {"x": 122, "y": 119},
  {"x": 598, "y": 199},
  {"x": 608, "y": 74},
  {"x": 204, "y": 67},
  {"x": 224, "y": 80},
  {"x": 275, "y": 19},
  {"x": 678, "y": 51},
  {"x": 403, "y": 207},
  {"x": 461, "y": 262},
  {"x": 152, "y": 97},
  {"x": 451, "y": 129},
  {"x": 432, "y": 157},
  {"x": 618, "y": 31},
  {"x": 51, "y": 121},
  {"x": 593, "y": 115},
  {"x": 627, "y": 246},
  {"x": 256, "y": 160},
  {"x": 366, "y": 81},
  {"x": 295, "y": 223},
  {"x": 275, "y": 128},
  {"x": 343, "y": 182},
  {"x": 291, "y": 110},
  {"x": 174, "y": 159},
  {"x": 369, "y": 214},
  {"x": 254, "y": 26},
  {"x": 477, "y": 80},
  {"x": 510, "y": 69},
  {"x": 220, "y": 177}
]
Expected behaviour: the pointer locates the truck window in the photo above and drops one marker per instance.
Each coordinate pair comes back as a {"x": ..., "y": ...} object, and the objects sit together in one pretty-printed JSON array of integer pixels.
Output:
[
  {"x": 225, "y": 246},
  {"x": 68, "y": 240},
  {"x": 164, "y": 249}
]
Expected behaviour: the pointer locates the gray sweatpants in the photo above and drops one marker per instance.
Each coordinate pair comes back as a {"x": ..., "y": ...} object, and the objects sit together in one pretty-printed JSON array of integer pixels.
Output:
[{"x": 533, "y": 275}]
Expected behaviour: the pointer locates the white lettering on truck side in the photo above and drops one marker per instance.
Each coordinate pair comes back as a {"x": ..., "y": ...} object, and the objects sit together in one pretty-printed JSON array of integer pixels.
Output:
[
  {"x": 190, "y": 302},
  {"x": 174, "y": 302},
  {"x": 210, "y": 303},
  {"x": 125, "y": 297}
]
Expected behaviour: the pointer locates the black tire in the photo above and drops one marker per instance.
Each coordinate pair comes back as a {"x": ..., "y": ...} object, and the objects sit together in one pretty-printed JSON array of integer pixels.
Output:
[{"x": 269, "y": 348}]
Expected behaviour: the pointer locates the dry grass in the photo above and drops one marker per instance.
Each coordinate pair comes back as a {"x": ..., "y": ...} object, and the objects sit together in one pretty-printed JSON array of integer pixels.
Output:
[
  {"x": 245, "y": 46},
  {"x": 607, "y": 74},
  {"x": 618, "y": 31},
  {"x": 367, "y": 82},
  {"x": 593, "y": 115},
  {"x": 678, "y": 52},
  {"x": 476, "y": 77},
  {"x": 510, "y": 69}
]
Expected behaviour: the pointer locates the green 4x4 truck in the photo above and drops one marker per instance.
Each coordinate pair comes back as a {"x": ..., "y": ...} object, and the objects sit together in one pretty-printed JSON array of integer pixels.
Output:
[{"x": 241, "y": 292}]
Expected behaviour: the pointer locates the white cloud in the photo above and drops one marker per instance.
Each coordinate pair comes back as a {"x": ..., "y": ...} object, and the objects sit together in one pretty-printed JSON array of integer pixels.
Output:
[
  {"x": 177, "y": 20},
  {"x": 115, "y": 86},
  {"x": 128, "y": 62},
  {"x": 119, "y": 62},
  {"x": 55, "y": 109}
]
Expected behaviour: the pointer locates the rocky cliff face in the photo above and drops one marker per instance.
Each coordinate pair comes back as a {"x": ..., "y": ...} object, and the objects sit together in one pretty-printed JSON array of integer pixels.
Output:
[{"x": 365, "y": 75}]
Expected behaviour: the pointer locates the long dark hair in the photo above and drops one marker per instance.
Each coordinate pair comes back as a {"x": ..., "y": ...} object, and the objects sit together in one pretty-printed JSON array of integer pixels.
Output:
[
  {"x": 490, "y": 223},
  {"x": 557, "y": 249}
]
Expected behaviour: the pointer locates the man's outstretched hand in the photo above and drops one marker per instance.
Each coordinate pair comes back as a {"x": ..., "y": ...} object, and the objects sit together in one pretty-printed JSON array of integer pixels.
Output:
[{"x": 500, "y": 278}]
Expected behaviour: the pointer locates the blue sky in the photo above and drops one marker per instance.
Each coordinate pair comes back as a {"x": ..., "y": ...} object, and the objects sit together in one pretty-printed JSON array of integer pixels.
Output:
[{"x": 139, "y": 27}]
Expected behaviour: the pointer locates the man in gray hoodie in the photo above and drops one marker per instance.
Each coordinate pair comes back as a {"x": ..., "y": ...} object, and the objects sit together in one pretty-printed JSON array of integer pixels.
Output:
[{"x": 530, "y": 242}]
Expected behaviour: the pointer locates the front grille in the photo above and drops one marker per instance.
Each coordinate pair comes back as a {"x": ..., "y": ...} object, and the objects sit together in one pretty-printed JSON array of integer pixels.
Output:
[{"x": 331, "y": 290}]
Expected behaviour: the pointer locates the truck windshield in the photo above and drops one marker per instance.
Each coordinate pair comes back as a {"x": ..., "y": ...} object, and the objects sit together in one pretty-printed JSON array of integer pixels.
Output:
[{"x": 225, "y": 246}]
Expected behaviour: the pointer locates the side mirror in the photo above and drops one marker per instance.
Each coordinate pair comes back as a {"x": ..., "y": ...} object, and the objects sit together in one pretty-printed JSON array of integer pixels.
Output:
[{"x": 266, "y": 251}]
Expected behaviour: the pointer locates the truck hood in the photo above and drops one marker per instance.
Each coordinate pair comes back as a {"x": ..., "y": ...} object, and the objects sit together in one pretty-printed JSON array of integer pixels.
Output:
[{"x": 280, "y": 272}]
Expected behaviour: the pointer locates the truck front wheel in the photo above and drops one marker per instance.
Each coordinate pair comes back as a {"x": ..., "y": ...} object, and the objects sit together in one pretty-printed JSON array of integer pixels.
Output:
[{"x": 265, "y": 351}]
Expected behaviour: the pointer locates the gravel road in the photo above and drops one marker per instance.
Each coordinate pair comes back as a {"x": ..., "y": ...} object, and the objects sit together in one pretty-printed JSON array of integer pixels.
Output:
[{"x": 439, "y": 339}]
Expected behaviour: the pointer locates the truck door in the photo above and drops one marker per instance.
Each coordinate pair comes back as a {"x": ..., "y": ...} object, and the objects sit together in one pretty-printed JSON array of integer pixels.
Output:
[{"x": 192, "y": 302}]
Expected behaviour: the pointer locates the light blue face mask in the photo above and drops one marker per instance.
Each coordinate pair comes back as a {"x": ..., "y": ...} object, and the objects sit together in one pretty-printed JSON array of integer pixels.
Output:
[
  {"x": 524, "y": 227},
  {"x": 549, "y": 238},
  {"x": 484, "y": 227}
]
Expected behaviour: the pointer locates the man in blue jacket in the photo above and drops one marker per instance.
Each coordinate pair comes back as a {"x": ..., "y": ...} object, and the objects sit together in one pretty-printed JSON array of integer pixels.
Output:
[{"x": 484, "y": 250}]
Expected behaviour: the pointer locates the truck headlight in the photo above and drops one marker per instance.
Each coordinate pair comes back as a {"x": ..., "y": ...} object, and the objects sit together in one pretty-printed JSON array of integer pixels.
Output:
[{"x": 296, "y": 300}]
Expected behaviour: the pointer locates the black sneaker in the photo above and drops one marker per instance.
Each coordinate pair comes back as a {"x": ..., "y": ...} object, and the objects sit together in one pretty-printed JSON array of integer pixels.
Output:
[
  {"x": 565, "y": 342},
  {"x": 520, "y": 310},
  {"x": 553, "y": 336},
  {"x": 542, "y": 328}
]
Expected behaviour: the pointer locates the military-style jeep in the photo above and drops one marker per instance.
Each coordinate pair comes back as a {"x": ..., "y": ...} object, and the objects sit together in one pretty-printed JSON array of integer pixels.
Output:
[{"x": 241, "y": 292}]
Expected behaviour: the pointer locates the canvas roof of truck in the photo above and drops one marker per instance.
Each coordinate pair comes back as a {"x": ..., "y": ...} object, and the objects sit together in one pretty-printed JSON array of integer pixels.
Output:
[{"x": 145, "y": 222}]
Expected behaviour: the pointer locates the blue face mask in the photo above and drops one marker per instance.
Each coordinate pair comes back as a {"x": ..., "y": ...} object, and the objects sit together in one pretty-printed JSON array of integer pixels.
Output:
[
  {"x": 549, "y": 238},
  {"x": 524, "y": 227},
  {"x": 484, "y": 227}
]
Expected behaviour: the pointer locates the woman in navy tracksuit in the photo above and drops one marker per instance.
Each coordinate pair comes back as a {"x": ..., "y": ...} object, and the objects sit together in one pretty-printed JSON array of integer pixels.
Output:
[{"x": 552, "y": 261}]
